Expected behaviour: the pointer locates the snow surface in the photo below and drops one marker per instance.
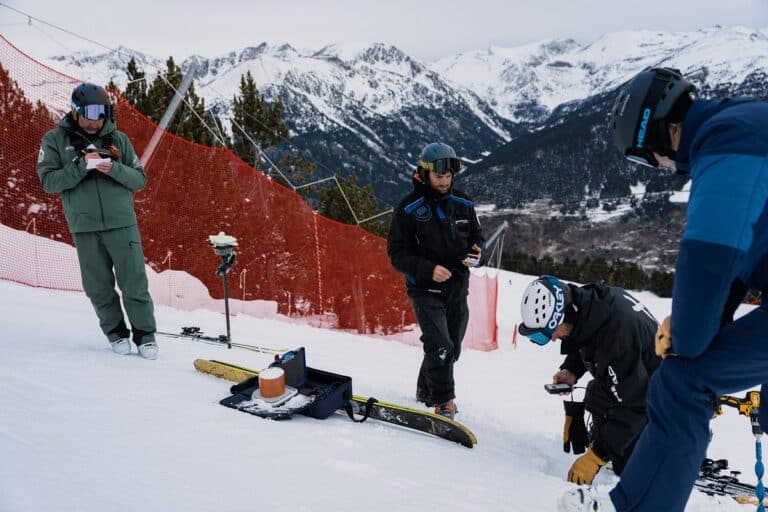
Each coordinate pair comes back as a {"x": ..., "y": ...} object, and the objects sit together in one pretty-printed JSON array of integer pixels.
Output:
[{"x": 83, "y": 429}]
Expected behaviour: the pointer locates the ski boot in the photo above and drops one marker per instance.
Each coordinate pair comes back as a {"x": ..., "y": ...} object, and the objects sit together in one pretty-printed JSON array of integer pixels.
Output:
[
  {"x": 146, "y": 345},
  {"x": 447, "y": 409},
  {"x": 585, "y": 499},
  {"x": 121, "y": 346}
]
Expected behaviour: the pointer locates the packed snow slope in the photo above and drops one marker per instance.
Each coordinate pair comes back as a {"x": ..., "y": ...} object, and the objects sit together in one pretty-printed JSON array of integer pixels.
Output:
[{"x": 83, "y": 429}]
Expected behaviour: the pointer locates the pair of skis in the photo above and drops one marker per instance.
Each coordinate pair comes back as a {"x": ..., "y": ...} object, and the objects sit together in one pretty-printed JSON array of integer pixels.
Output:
[
  {"x": 714, "y": 481},
  {"x": 195, "y": 334}
]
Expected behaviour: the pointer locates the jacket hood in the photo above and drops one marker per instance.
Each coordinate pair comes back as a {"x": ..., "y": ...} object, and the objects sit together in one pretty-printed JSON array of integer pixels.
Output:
[
  {"x": 699, "y": 113},
  {"x": 592, "y": 305}
]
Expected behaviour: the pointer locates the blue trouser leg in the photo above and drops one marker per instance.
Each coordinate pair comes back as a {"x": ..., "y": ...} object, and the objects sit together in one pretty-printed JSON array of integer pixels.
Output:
[{"x": 663, "y": 467}]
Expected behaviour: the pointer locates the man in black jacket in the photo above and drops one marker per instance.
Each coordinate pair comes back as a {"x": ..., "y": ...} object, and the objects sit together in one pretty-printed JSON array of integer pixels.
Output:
[
  {"x": 434, "y": 238},
  {"x": 606, "y": 331}
]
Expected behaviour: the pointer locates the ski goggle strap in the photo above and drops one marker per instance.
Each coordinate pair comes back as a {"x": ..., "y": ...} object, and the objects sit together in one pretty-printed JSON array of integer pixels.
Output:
[
  {"x": 94, "y": 112},
  {"x": 442, "y": 166}
]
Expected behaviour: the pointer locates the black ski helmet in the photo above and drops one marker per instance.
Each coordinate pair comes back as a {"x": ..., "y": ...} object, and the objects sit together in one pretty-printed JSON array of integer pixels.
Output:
[
  {"x": 643, "y": 110},
  {"x": 440, "y": 158},
  {"x": 91, "y": 94}
]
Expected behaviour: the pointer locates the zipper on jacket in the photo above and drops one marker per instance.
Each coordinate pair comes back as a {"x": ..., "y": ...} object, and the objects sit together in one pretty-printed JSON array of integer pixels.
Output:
[{"x": 101, "y": 205}]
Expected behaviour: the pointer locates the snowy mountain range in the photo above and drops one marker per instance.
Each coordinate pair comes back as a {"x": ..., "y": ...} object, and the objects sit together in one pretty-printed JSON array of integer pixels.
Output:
[
  {"x": 521, "y": 84},
  {"x": 529, "y": 120},
  {"x": 536, "y": 78}
]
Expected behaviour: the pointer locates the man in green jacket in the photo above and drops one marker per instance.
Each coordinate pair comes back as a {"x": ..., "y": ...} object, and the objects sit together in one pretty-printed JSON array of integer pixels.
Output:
[{"x": 95, "y": 169}]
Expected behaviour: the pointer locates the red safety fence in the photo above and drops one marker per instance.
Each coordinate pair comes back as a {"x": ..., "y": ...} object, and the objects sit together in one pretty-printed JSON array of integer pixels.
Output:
[{"x": 308, "y": 264}]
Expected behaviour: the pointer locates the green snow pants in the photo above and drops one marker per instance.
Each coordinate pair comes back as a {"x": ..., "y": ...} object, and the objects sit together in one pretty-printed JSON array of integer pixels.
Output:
[{"x": 104, "y": 256}]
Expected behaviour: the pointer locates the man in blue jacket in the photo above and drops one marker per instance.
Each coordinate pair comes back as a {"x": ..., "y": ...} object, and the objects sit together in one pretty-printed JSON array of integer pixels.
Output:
[
  {"x": 434, "y": 238},
  {"x": 723, "y": 145}
]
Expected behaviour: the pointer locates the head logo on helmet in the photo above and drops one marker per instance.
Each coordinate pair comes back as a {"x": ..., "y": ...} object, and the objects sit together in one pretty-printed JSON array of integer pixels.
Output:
[
  {"x": 542, "y": 309},
  {"x": 643, "y": 127}
]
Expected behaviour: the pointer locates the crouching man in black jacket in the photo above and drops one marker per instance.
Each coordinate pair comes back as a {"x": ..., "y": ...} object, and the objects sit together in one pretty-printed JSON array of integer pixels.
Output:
[
  {"x": 606, "y": 331},
  {"x": 434, "y": 238}
]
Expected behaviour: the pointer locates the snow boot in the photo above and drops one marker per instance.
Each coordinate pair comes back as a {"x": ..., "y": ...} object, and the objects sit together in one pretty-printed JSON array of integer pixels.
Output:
[
  {"x": 447, "y": 409},
  {"x": 585, "y": 499},
  {"x": 121, "y": 346},
  {"x": 147, "y": 347},
  {"x": 148, "y": 350}
]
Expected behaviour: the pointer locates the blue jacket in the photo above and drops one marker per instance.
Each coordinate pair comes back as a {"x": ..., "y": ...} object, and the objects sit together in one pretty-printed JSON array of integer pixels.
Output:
[{"x": 724, "y": 146}]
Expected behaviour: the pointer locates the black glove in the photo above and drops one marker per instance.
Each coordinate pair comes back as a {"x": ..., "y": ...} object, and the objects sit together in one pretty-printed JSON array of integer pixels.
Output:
[
  {"x": 111, "y": 152},
  {"x": 575, "y": 431}
]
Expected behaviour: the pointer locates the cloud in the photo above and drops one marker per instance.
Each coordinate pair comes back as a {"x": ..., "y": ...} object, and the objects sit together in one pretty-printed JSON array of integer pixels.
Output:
[{"x": 426, "y": 29}]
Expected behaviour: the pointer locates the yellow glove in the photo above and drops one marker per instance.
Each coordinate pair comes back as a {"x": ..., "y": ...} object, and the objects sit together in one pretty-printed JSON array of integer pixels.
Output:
[
  {"x": 664, "y": 338},
  {"x": 585, "y": 468}
]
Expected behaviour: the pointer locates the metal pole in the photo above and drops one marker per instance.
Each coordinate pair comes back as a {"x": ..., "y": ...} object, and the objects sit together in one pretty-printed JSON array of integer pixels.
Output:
[
  {"x": 168, "y": 115},
  {"x": 226, "y": 309}
]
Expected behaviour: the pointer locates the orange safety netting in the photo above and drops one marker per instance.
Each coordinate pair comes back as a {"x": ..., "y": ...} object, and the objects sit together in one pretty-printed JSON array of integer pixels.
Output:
[{"x": 306, "y": 263}]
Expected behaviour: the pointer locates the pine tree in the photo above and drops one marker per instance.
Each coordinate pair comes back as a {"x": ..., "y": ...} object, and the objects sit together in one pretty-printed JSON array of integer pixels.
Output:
[
  {"x": 362, "y": 200},
  {"x": 161, "y": 90},
  {"x": 136, "y": 90},
  {"x": 253, "y": 119},
  {"x": 189, "y": 121},
  {"x": 299, "y": 169}
]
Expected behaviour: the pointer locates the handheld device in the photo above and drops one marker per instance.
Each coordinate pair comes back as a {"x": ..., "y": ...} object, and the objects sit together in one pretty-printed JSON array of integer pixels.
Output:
[{"x": 556, "y": 389}]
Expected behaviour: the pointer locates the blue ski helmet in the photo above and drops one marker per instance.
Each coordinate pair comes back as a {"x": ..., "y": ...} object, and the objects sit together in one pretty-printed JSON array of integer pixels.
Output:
[{"x": 542, "y": 309}]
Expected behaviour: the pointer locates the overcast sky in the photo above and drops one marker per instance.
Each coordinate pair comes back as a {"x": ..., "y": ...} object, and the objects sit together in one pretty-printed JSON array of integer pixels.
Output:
[{"x": 425, "y": 29}]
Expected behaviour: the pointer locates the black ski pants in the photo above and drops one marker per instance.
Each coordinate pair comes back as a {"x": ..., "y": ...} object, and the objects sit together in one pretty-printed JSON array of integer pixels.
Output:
[
  {"x": 597, "y": 401},
  {"x": 443, "y": 320}
]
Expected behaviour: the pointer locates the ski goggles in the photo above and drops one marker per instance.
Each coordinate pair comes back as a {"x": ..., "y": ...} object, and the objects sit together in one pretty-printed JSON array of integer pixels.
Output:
[
  {"x": 641, "y": 157},
  {"x": 538, "y": 336},
  {"x": 442, "y": 166},
  {"x": 94, "y": 112}
]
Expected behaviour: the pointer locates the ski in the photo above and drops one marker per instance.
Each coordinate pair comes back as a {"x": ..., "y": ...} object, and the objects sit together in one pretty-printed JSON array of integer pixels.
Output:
[
  {"x": 195, "y": 334},
  {"x": 714, "y": 483},
  {"x": 407, "y": 417}
]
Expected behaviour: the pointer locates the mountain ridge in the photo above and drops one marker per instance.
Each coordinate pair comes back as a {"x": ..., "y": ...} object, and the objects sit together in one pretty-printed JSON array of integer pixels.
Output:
[{"x": 529, "y": 121}]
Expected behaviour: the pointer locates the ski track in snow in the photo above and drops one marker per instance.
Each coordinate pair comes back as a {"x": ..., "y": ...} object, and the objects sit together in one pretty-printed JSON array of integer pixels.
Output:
[{"x": 83, "y": 429}]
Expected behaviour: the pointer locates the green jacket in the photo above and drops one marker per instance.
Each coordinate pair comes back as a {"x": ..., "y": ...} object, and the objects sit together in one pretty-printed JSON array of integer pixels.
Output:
[{"x": 92, "y": 201}]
